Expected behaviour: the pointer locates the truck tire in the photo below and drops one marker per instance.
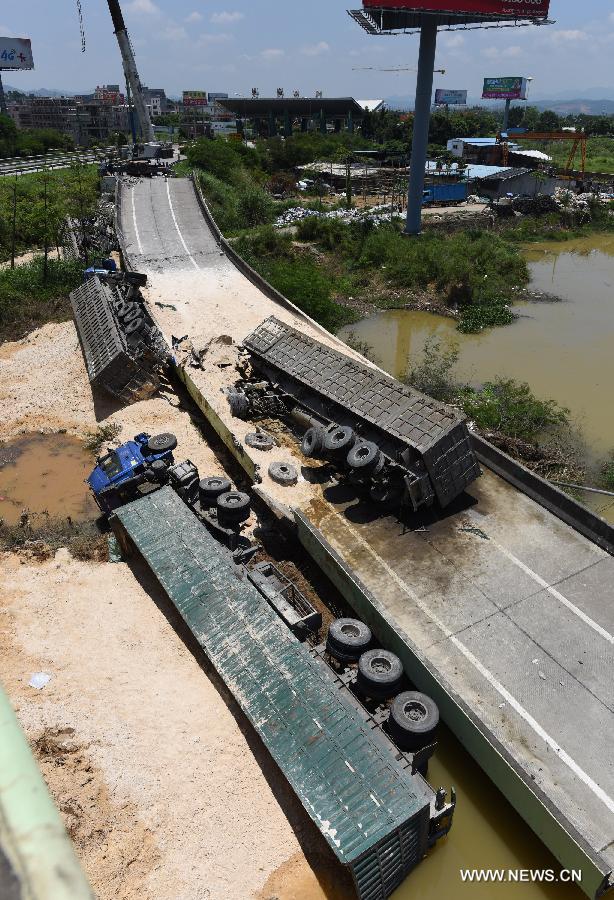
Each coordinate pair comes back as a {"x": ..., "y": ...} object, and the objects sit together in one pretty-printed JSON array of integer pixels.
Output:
[
  {"x": 134, "y": 326},
  {"x": 258, "y": 440},
  {"x": 233, "y": 508},
  {"x": 338, "y": 441},
  {"x": 132, "y": 313},
  {"x": 379, "y": 674},
  {"x": 162, "y": 443},
  {"x": 210, "y": 489},
  {"x": 366, "y": 458},
  {"x": 413, "y": 721},
  {"x": 313, "y": 442},
  {"x": 283, "y": 473},
  {"x": 123, "y": 307},
  {"x": 348, "y": 639}
]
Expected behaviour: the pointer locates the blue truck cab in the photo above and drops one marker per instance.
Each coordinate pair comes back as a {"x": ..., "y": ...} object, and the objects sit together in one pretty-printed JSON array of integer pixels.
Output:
[{"x": 131, "y": 470}]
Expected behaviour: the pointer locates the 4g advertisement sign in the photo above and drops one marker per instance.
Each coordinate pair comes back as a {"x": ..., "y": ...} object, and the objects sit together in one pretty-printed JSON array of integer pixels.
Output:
[
  {"x": 509, "y": 9},
  {"x": 15, "y": 53}
]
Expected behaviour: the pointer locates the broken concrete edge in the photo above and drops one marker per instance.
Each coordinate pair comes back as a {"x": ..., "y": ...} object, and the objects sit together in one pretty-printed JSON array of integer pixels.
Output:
[
  {"x": 237, "y": 449},
  {"x": 543, "y": 492},
  {"x": 33, "y": 841},
  {"x": 258, "y": 281},
  {"x": 532, "y": 804}
]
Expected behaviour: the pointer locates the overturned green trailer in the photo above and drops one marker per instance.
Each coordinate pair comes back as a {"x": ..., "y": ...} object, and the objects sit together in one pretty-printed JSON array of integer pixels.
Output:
[{"x": 378, "y": 818}]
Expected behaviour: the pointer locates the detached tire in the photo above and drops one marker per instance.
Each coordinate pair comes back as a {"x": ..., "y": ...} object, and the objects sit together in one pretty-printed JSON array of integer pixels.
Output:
[
  {"x": 366, "y": 458},
  {"x": 414, "y": 718},
  {"x": 162, "y": 443},
  {"x": 313, "y": 442},
  {"x": 379, "y": 674},
  {"x": 348, "y": 639},
  {"x": 338, "y": 441},
  {"x": 233, "y": 508}
]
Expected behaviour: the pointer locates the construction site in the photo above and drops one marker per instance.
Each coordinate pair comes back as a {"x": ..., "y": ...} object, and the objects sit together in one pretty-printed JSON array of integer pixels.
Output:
[{"x": 275, "y": 623}]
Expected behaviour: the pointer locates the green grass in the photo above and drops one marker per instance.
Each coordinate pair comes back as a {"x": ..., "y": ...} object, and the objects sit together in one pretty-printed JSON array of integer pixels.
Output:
[{"x": 28, "y": 301}]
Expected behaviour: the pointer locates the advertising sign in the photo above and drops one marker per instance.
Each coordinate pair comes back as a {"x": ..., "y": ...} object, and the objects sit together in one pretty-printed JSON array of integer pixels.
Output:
[
  {"x": 15, "y": 53},
  {"x": 450, "y": 98},
  {"x": 513, "y": 87},
  {"x": 509, "y": 9},
  {"x": 194, "y": 98}
]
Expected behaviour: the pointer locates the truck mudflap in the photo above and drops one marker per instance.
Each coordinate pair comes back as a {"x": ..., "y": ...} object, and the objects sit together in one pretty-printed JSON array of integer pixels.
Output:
[
  {"x": 378, "y": 818},
  {"x": 406, "y": 425},
  {"x": 128, "y": 368}
]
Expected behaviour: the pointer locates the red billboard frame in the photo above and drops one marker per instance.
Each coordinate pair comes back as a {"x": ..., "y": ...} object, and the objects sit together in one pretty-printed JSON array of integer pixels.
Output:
[{"x": 504, "y": 9}]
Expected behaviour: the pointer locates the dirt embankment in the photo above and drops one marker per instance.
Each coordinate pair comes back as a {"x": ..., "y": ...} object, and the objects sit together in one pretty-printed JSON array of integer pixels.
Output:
[{"x": 162, "y": 784}]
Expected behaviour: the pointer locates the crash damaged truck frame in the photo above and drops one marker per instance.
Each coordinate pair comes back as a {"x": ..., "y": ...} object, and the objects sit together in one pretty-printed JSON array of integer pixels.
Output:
[{"x": 402, "y": 445}]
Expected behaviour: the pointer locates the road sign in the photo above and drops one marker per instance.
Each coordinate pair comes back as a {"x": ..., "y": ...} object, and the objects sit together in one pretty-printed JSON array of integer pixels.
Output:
[{"x": 15, "y": 53}]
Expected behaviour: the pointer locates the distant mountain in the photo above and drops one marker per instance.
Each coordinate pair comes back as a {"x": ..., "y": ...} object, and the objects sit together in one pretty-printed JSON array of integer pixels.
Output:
[
  {"x": 41, "y": 92},
  {"x": 578, "y": 105}
]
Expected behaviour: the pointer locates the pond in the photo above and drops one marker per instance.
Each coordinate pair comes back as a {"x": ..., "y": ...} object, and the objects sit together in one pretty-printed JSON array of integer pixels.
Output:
[{"x": 564, "y": 350}]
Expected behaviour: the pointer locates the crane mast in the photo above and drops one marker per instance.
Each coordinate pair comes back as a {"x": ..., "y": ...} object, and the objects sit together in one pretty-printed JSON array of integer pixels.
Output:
[{"x": 131, "y": 71}]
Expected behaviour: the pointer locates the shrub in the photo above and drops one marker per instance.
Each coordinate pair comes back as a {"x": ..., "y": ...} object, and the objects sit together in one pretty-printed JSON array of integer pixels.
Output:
[
  {"x": 433, "y": 375},
  {"x": 255, "y": 207},
  {"x": 217, "y": 157},
  {"x": 510, "y": 407},
  {"x": 27, "y": 300},
  {"x": 607, "y": 473}
]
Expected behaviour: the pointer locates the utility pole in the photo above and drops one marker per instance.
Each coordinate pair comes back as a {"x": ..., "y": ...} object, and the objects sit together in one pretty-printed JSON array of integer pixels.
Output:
[
  {"x": 14, "y": 224},
  {"x": 506, "y": 116},
  {"x": 131, "y": 71},
  {"x": 422, "y": 118}
]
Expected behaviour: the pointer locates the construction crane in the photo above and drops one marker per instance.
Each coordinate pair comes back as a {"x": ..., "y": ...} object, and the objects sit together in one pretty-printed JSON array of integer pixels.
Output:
[
  {"x": 131, "y": 72},
  {"x": 578, "y": 138}
]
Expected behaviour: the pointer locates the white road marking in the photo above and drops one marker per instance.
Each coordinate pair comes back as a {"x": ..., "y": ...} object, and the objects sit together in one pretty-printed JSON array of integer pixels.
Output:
[
  {"x": 185, "y": 246},
  {"x": 136, "y": 227},
  {"x": 556, "y": 594},
  {"x": 492, "y": 680}
]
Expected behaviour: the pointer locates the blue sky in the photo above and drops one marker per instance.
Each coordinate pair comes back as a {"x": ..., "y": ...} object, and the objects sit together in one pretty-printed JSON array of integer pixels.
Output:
[{"x": 234, "y": 45}]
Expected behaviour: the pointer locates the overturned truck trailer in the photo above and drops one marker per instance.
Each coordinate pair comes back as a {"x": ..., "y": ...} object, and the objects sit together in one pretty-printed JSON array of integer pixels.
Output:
[
  {"x": 423, "y": 446},
  {"x": 378, "y": 818},
  {"x": 125, "y": 353}
]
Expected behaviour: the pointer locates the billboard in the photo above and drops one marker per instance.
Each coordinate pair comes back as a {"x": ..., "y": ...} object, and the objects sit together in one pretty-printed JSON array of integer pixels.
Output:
[
  {"x": 15, "y": 53},
  {"x": 512, "y": 87},
  {"x": 195, "y": 98},
  {"x": 509, "y": 9},
  {"x": 450, "y": 98}
]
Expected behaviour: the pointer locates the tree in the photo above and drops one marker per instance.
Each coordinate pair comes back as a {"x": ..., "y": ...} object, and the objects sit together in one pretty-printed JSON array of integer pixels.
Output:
[{"x": 548, "y": 121}]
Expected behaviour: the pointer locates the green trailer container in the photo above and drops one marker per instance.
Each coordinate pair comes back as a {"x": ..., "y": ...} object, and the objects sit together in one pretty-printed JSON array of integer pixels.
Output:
[{"x": 376, "y": 816}]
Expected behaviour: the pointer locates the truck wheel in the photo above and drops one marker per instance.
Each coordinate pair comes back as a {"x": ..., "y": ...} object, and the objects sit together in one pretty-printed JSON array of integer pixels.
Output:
[
  {"x": 258, "y": 440},
  {"x": 339, "y": 440},
  {"x": 210, "y": 489},
  {"x": 133, "y": 313},
  {"x": 162, "y": 443},
  {"x": 123, "y": 307},
  {"x": 366, "y": 458},
  {"x": 133, "y": 326},
  {"x": 233, "y": 508},
  {"x": 283, "y": 473},
  {"x": 379, "y": 674},
  {"x": 313, "y": 442},
  {"x": 348, "y": 639},
  {"x": 413, "y": 722}
]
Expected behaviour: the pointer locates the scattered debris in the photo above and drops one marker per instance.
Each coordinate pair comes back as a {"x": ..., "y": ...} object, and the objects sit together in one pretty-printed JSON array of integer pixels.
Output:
[
  {"x": 378, "y": 215},
  {"x": 39, "y": 680}
]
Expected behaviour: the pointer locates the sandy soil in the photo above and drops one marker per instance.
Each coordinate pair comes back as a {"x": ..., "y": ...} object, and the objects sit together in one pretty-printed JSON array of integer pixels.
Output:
[{"x": 163, "y": 786}]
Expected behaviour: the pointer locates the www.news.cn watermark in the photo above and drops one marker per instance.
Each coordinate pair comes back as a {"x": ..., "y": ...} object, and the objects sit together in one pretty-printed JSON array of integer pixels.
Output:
[{"x": 521, "y": 876}]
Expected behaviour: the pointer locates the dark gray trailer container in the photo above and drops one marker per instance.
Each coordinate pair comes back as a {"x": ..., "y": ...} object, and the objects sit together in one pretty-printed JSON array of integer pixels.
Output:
[{"x": 378, "y": 818}]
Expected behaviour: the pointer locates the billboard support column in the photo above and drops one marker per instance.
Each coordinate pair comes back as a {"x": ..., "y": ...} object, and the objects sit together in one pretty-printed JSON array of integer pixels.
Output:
[
  {"x": 506, "y": 116},
  {"x": 3, "y": 106},
  {"x": 422, "y": 118}
]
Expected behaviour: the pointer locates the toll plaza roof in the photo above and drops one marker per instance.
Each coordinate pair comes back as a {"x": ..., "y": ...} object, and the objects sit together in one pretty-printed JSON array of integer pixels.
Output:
[{"x": 296, "y": 106}]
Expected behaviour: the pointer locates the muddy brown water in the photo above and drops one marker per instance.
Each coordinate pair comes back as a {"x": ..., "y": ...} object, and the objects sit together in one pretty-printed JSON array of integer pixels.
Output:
[
  {"x": 45, "y": 473},
  {"x": 564, "y": 350}
]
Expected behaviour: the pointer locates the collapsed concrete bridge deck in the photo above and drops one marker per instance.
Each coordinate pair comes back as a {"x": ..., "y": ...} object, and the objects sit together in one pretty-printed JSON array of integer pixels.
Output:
[{"x": 497, "y": 608}]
